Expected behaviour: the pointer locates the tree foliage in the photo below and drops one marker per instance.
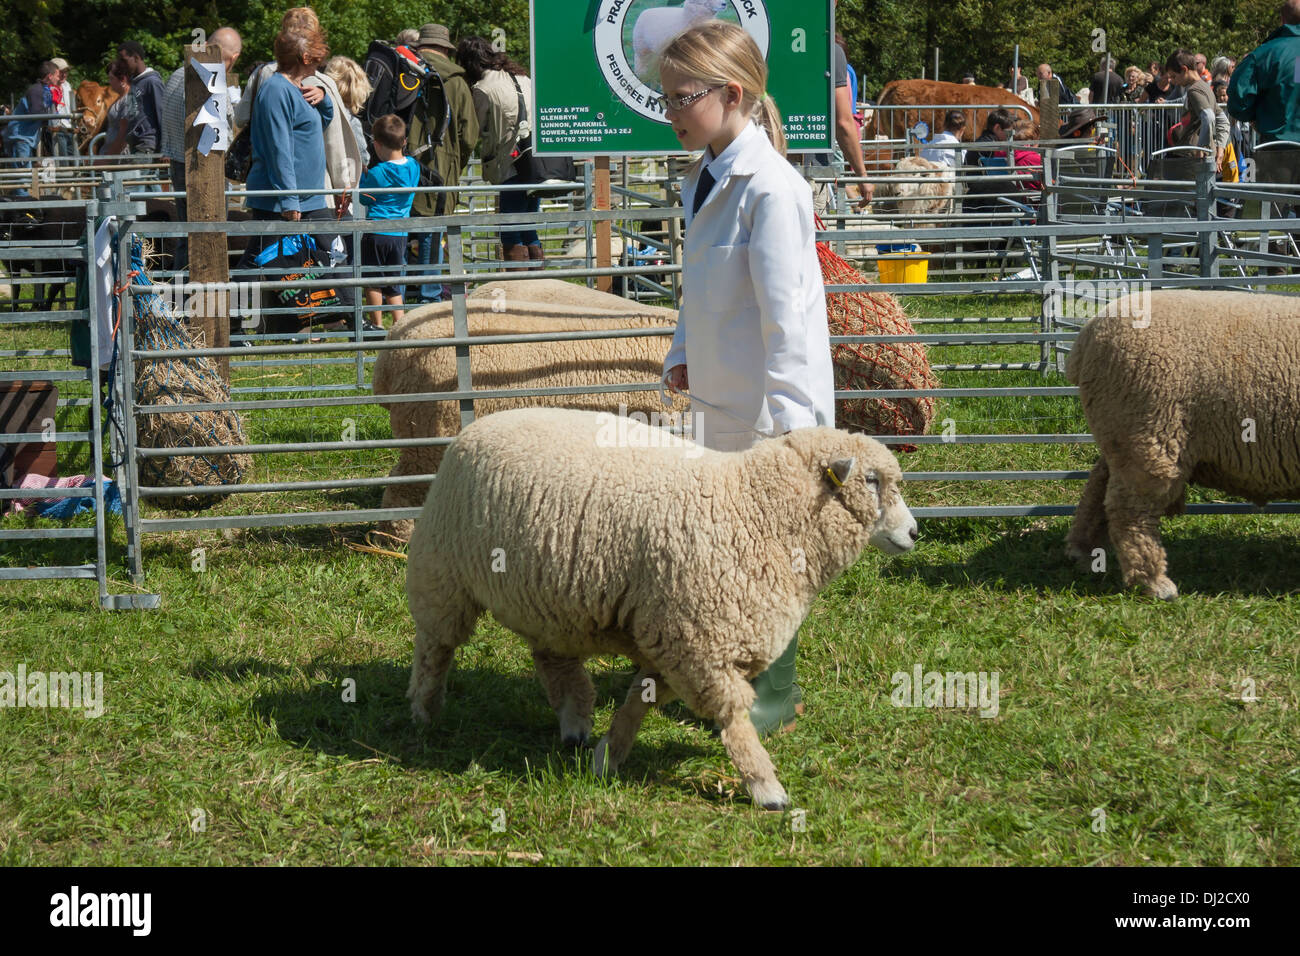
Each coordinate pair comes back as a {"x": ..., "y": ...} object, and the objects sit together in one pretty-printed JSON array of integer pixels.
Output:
[
  {"x": 87, "y": 32},
  {"x": 886, "y": 39},
  {"x": 894, "y": 39}
]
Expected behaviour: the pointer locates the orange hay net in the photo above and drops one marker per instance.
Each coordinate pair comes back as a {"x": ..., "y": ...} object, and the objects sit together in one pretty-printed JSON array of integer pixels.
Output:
[{"x": 878, "y": 365}]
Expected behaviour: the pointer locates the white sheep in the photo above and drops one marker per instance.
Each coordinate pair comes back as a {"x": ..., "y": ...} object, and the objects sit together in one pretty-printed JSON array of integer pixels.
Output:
[
  {"x": 1183, "y": 386},
  {"x": 527, "y": 306},
  {"x": 657, "y": 27},
  {"x": 930, "y": 195},
  {"x": 591, "y": 534}
]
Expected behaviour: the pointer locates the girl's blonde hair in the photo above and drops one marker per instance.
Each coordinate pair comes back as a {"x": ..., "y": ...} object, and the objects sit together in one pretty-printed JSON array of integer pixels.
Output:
[
  {"x": 717, "y": 52},
  {"x": 351, "y": 80}
]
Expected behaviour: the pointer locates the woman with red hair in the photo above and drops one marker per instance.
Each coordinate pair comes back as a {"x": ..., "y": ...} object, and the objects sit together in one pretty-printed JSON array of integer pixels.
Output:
[{"x": 286, "y": 128}]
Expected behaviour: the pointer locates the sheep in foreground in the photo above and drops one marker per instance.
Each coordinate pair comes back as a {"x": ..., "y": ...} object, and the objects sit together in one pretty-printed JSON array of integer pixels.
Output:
[
  {"x": 586, "y": 363},
  {"x": 590, "y": 534},
  {"x": 657, "y": 27},
  {"x": 1189, "y": 386}
]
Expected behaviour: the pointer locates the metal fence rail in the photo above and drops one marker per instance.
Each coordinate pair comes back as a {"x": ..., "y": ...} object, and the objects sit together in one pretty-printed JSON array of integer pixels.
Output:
[{"x": 1188, "y": 245}]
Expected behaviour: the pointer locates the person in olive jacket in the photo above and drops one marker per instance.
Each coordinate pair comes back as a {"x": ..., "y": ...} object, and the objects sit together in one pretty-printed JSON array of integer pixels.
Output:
[{"x": 451, "y": 156}]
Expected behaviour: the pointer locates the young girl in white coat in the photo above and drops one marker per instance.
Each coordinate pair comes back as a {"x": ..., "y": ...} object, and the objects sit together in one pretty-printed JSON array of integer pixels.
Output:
[{"x": 752, "y": 344}]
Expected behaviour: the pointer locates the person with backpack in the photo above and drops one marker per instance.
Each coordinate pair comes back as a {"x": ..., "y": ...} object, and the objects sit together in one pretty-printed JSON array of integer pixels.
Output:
[
  {"x": 21, "y": 136},
  {"x": 500, "y": 86},
  {"x": 441, "y": 137}
]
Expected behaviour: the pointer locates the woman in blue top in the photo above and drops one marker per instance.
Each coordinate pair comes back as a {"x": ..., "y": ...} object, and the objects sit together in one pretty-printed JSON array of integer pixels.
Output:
[{"x": 286, "y": 130}]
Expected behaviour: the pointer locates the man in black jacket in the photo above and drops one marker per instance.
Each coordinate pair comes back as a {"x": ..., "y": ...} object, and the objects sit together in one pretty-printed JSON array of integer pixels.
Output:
[
  {"x": 1045, "y": 75},
  {"x": 147, "y": 88},
  {"x": 1106, "y": 83}
]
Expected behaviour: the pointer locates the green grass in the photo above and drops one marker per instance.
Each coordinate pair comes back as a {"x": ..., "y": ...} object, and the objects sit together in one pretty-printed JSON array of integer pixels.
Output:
[{"x": 229, "y": 699}]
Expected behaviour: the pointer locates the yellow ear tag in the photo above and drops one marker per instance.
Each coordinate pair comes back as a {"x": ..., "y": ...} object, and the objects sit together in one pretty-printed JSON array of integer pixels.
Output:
[{"x": 835, "y": 481}]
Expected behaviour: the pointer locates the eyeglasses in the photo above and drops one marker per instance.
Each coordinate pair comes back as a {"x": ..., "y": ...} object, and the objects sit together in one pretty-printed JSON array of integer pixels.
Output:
[{"x": 678, "y": 103}]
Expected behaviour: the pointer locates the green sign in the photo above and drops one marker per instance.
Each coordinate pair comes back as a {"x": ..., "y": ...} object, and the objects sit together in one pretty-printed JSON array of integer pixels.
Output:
[{"x": 596, "y": 82}]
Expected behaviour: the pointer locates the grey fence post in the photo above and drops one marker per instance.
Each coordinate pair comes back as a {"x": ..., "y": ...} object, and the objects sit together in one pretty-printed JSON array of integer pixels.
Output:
[
  {"x": 460, "y": 320},
  {"x": 1206, "y": 241},
  {"x": 1051, "y": 268},
  {"x": 131, "y": 494},
  {"x": 96, "y": 412},
  {"x": 358, "y": 293},
  {"x": 674, "y": 232},
  {"x": 588, "y": 202}
]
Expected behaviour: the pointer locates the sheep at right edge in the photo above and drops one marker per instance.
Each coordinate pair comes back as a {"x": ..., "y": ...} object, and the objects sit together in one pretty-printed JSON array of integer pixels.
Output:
[
  {"x": 587, "y": 534},
  {"x": 1186, "y": 386}
]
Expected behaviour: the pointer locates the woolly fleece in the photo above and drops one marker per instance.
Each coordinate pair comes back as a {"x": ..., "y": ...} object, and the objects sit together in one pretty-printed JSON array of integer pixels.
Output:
[
  {"x": 1168, "y": 403},
  {"x": 698, "y": 565},
  {"x": 581, "y": 363}
]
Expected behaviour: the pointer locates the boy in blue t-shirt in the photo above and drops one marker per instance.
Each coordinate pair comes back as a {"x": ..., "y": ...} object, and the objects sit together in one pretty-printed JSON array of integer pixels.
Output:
[{"x": 387, "y": 250}]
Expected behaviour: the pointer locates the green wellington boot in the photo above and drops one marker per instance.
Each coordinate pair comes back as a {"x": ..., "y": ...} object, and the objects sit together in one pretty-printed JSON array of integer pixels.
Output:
[{"x": 779, "y": 700}]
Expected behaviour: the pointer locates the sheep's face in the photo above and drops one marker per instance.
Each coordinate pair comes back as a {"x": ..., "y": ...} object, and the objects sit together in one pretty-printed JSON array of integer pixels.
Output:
[
  {"x": 706, "y": 7},
  {"x": 870, "y": 486}
]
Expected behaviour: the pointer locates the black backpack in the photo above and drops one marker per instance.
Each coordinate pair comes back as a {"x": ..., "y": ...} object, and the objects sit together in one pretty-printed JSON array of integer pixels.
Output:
[{"x": 401, "y": 82}]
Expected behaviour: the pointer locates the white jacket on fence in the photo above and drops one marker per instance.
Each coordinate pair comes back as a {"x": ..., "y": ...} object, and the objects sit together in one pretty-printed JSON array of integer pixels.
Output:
[{"x": 752, "y": 328}]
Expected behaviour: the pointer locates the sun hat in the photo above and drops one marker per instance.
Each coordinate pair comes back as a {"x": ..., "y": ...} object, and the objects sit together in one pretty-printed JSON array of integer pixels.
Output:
[
  {"x": 434, "y": 34},
  {"x": 1078, "y": 120}
]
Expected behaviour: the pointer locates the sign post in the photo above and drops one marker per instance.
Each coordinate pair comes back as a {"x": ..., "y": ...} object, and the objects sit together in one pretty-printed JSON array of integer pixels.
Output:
[
  {"x": 597, "y": 91},
  {"x": 205, "y": 195},
  {"x": 598, "y": 94}
]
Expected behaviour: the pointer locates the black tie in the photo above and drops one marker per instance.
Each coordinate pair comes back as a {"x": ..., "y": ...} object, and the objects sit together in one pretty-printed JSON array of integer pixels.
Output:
[{"x": 702, "y": 189}]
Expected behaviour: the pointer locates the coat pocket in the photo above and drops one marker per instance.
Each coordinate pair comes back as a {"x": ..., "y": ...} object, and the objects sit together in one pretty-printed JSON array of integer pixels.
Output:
[{"x": 728, "y": 285}]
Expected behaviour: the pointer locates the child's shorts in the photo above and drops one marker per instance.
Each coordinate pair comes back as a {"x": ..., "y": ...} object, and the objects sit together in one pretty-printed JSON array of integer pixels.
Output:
[{"x": 386, "y": 251}]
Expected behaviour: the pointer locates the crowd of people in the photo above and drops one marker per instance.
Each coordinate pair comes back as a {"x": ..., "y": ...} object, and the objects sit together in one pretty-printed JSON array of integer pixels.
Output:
[
  {"x": 1219, "y": 97},
  {"x": 303, "y": 112}
]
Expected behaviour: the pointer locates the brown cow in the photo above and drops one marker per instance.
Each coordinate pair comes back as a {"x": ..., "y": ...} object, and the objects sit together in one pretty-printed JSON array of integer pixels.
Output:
[
  {"x": 94, "y": 101},
  {"x": 944, "y": 96}
]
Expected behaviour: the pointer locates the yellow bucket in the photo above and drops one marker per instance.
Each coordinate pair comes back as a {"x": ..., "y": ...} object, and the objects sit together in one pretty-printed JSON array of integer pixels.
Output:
[{"x": 904, "y": 267}]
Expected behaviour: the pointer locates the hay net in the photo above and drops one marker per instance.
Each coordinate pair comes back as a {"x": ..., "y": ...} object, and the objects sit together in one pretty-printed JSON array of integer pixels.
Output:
[
  {"x": 182, "y": 380},
  {"x": 875, "y": 365}
]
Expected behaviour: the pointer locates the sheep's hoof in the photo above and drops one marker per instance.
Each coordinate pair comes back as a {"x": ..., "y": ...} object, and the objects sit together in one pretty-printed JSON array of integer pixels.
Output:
[
  {"x": 601, "y": 762},
  {"x": 1162, "y": 589},
  {"x": 423, "y": 711},
  {"x": 769, "y": 796}
]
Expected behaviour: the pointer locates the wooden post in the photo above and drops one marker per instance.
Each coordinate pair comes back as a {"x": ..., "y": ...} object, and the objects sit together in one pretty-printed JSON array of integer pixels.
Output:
[
  {"x": 1049, "y": 109},
  {"x": 205, "y": 192},
  {"x": 604, "y": 229}
]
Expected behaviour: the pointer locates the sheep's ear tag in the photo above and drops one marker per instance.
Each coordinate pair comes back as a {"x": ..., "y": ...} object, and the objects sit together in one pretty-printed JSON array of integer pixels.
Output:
[{"x": 839, "y": 471}]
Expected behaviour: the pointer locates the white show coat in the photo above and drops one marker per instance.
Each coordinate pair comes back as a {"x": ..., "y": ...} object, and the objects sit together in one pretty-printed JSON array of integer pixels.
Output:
[{"x": 752, "y": 327}]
